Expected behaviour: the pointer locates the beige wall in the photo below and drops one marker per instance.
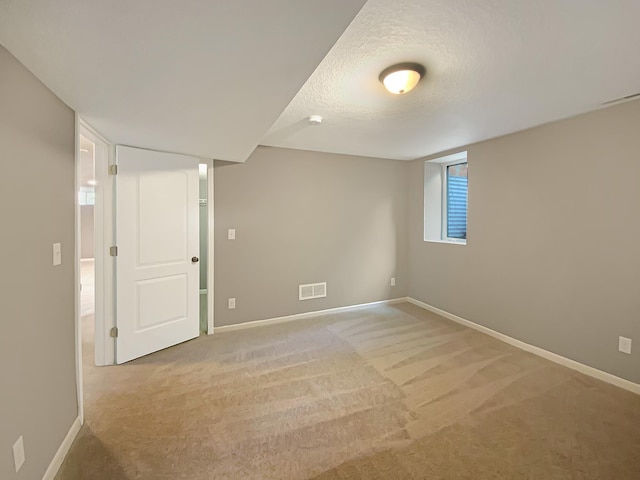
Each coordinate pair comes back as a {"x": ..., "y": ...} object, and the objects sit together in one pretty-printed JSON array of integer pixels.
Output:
[
  {"x": 305, "y": 217},
  {"x": 37, "y": 359},
  {"x": 553, "y": 239}
]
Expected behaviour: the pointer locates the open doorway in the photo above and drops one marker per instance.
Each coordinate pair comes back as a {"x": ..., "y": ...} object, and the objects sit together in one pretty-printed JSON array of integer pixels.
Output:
[
  {"x": 86, "y": 204},
  {"x": 95, "y": 268},
  {"x": 94, "y": 232}
]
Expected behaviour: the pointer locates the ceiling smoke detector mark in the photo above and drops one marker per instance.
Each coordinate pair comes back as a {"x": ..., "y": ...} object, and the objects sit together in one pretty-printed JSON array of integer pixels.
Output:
[
  {"x": 622, "y": 99},
  {"x": 312, "y": 290}
]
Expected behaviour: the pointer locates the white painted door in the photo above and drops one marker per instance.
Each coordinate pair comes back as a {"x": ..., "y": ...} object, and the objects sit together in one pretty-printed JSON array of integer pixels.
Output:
[{"x": 157, "y": 290}]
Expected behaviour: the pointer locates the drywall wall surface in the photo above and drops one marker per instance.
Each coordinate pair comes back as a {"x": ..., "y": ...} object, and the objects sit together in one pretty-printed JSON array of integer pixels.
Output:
[
  {"x": 305, "y": 217},
  {"x": 37, "y": 345},
  {"x": 552, "y": 255}
]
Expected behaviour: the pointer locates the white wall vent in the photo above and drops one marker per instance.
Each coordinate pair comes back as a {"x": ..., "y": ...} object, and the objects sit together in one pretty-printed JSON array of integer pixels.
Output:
[{"x": 312, "y": 290}]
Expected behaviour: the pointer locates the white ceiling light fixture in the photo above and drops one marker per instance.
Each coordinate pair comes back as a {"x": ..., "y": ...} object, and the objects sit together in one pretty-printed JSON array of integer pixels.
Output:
[
  {"x": 402, "y": 78},
  {"x": 315, "y": 119}
]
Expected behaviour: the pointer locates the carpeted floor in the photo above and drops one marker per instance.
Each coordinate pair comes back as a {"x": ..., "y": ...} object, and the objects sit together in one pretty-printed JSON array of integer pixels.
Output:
[{"x": 387, "y": 392}]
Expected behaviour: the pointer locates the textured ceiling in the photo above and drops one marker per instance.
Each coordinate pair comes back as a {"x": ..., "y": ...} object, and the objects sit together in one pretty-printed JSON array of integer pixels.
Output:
[
  {"x": 493, "y": 67},
  {"x": 203, "y": 77}
]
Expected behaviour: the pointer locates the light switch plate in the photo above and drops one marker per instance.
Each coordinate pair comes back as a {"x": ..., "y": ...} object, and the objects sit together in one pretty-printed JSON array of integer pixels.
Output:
[
  {"x": 232, "y": 303},
  {"x": 232, "y": 234},
  {"x": 57, "y": 254},
  {"x": 18, "y": 453},
  {"x": 393, "y": 281},
  {"x": 624, "y": 345}
]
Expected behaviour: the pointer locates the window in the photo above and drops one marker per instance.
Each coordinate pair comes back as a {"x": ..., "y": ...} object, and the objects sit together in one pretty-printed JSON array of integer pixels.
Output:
[
  {"x": 445, "y": 199},
  {"x": 87, "y": 196},
  {"x": 454, "y": 201}
]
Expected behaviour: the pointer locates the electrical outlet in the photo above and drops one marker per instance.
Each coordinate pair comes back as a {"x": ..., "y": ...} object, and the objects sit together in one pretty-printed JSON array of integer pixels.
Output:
[
  {"x": 57, "y": 254},
  {"x": 393, "y": 281},
  {"x": 231, "y": 234},
  {"x": 624, "y": 345},
  {"x": 232, "y": 303},
  {"x": 18, "y": 453}
]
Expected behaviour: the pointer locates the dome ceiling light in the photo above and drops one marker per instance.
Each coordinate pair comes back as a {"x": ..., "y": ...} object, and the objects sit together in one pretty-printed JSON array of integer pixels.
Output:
[{"x": 402, "y": 78}]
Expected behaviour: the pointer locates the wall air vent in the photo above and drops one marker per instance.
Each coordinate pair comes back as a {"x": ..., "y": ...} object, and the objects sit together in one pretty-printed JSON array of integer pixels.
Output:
[
  {"x": 622, "y": 99},
  {"x": 312, "y": 290}
]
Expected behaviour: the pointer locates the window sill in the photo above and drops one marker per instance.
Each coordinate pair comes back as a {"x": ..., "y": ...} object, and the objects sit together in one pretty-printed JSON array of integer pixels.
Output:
[{"x": 449, "y": 242}]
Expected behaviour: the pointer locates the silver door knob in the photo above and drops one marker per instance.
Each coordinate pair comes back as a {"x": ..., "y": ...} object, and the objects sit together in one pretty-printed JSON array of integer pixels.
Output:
[{"x": 195, "y": 259}]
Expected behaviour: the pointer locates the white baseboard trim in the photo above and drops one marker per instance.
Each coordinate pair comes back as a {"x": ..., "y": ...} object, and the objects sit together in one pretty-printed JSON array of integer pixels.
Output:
[
  {"x": 58, "y": 458},
  {"x": 554, "y": 357},
  {"x": 299, "y": 316}
]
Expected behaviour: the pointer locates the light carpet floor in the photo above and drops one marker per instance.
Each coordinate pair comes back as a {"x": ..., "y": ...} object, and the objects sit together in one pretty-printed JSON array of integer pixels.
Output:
[{"x": 387, "y": 392}]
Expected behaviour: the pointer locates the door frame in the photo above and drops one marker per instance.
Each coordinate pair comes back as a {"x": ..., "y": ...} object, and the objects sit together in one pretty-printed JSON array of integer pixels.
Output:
[
  {"x": 104, "y": 235},
  {"x": 210, "y": 247}
]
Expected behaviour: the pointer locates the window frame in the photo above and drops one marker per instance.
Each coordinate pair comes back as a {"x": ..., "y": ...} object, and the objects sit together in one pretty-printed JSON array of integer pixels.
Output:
[{"x": 444, "y": 230}]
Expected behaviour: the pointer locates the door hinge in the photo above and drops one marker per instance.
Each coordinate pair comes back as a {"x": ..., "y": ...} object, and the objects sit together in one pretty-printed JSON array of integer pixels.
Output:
[
  {"x": 114, "y": 332},
  {"x": 113, "y": 251},
  {"x": 113, "y": 169}
]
